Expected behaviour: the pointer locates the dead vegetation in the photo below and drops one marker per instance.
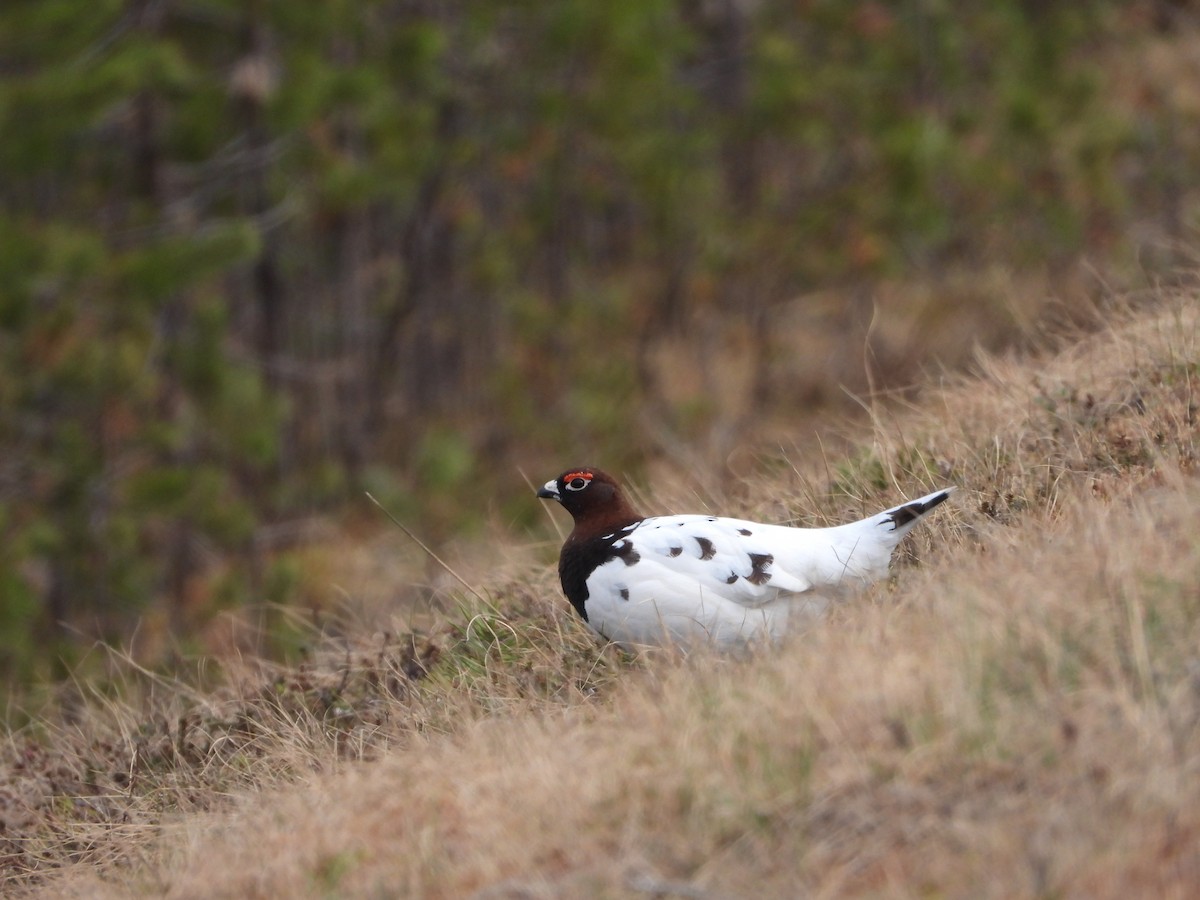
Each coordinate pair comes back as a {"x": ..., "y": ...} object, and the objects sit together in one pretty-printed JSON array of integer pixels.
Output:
[{"x": 1019, "y": 715}]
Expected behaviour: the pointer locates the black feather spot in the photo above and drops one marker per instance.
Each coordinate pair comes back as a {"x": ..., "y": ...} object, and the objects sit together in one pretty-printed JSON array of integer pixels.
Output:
[
  {"x": 675, "y": 551},
  {"x": 707, "y": 550},
  {"x": 745, "y": 531},
  {"x": 758, "y": 568},
  {"x": 624, "y": 593},
  {"x": 903, "y": 516},
  {"x": 624, "y": 551},
  {"x": 732, "y": 578},
  {"x": 912, "y": 511}
]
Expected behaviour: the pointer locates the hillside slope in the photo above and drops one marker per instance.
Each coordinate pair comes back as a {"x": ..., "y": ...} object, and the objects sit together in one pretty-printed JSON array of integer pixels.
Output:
[{"x": 1019, "y": 715}]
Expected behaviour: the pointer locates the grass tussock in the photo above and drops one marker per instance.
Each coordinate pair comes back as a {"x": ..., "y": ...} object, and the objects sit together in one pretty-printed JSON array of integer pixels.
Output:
[{"x": 1017, "y": 716}]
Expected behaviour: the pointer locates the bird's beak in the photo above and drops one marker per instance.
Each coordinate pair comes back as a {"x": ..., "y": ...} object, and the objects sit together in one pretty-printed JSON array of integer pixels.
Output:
[{"x": 549, "y": 491}]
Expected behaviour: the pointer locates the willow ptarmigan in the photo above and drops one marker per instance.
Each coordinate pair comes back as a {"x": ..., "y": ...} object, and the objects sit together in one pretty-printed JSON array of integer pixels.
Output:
[{"x": 696, "y": 578}]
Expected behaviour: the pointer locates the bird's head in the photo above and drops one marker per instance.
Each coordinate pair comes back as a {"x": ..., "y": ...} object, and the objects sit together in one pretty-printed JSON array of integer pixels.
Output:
[{"x": 592, "y": 497}]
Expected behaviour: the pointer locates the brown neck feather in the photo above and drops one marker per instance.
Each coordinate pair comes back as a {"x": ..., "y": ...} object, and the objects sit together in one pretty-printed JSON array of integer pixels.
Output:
[
  {"x": 599, "y": 510},
  {"x": 597, "y": 523}
]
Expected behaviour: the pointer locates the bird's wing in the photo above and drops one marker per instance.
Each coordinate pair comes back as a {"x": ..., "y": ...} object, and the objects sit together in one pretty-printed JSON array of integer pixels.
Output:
[
  {"x": 689, "y": 577},
  {"x": 751, "y": 563},
  {"x": 735, "y": 560}
]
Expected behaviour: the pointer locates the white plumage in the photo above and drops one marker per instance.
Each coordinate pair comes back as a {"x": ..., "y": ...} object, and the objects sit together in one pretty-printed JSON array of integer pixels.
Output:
[
  {"x": 731, "y": 580},
  {"x": 695, "y": 578}
]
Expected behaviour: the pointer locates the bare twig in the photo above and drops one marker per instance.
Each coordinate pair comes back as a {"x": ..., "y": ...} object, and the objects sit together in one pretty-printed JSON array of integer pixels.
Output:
[
  {"x": 428, "y": 550},
  {"x": 549, "y": 515}
]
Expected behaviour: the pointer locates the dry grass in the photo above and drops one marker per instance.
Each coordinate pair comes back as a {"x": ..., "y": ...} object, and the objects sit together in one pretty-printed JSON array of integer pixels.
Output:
[{"x": 1018, "y": 716}]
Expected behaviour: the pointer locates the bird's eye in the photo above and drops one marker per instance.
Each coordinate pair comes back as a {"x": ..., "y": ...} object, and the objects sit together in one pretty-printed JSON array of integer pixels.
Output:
[{"x": 577, "y": 484}]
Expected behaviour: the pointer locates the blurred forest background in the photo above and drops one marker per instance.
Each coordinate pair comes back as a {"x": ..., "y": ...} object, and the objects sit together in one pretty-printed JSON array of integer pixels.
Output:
[{"x": 256, "y": 257}]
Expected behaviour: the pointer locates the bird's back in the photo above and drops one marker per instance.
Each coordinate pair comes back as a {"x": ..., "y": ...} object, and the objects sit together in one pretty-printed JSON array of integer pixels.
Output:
[{"x": 728, "y": 580}]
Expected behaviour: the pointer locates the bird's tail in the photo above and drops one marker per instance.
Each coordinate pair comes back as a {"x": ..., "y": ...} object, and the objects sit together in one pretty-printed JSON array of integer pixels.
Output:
[
  {"x": 863, "y": 549},
  {"x": 899, "y": 520}
]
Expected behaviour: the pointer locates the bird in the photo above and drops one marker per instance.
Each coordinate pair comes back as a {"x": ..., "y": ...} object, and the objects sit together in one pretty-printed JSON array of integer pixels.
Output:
[{"x": 686, "y": 579}]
